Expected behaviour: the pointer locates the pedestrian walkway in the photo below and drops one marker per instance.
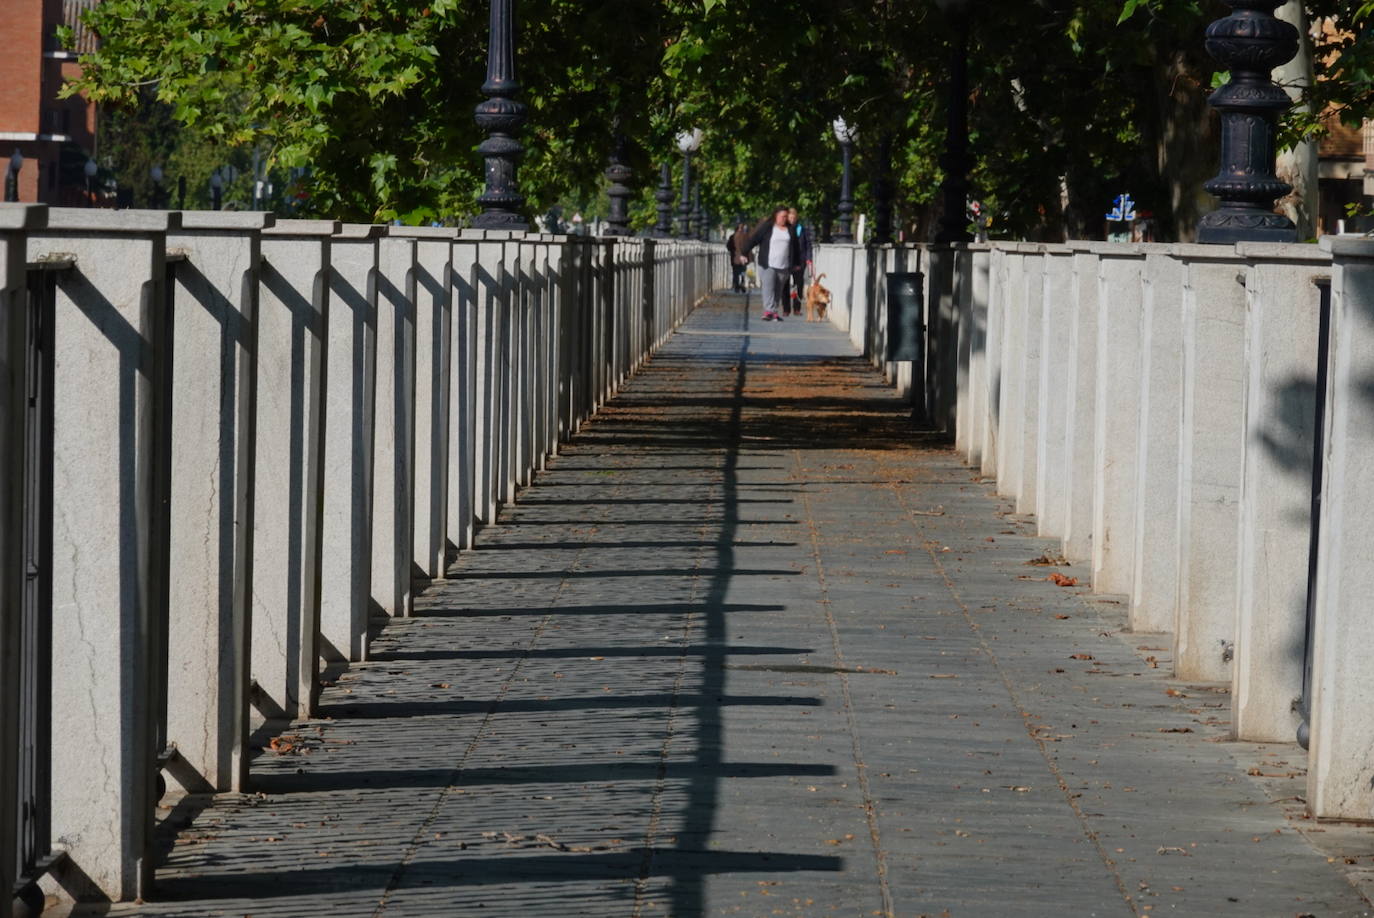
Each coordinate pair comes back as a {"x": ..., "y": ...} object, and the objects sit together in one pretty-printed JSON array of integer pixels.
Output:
[{"x": 751, "y": 646}]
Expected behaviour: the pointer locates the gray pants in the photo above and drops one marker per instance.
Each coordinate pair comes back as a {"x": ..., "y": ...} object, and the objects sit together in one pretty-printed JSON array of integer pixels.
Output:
[{"x": 775, "y": 288}]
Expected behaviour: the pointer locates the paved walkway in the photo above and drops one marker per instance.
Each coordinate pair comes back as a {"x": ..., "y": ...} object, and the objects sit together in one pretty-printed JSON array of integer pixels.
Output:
[{"x": 750, "y": 647}]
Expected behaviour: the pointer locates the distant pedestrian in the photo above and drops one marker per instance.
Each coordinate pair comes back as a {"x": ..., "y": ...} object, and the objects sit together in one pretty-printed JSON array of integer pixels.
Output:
[
  {"x": 779, "y": 250},
  {"x": 793, "y": 303},
  {"x": 739, "y": 261}
]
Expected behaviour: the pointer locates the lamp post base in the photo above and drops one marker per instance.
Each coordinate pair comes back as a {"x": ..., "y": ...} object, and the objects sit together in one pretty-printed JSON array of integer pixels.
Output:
[{"x": 1227, "y": 227}]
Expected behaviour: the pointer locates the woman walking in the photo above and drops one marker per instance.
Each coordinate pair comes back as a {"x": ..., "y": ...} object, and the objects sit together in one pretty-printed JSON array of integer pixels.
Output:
[{"x": 779, "y": 250}]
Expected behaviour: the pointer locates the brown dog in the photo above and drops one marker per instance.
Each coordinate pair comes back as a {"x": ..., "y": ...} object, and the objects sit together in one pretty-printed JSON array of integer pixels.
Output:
[{"x": 817, "y": 301}]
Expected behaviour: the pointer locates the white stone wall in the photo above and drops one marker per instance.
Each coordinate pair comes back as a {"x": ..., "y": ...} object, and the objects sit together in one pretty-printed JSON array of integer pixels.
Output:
[{"x": 1154, "y": 406}]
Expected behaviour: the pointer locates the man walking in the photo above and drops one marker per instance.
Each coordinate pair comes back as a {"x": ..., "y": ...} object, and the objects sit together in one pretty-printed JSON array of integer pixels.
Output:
[{"x": 779, "y": 250}]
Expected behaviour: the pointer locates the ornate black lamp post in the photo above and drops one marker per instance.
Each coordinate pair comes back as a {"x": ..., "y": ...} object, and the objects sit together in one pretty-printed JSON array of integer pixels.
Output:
[
  {"x": 618, "y": 218},
  {"x": 688, "y": 142},
  {"x": 955, "y": 160},
  {"x": 846, "y": 134},
  {"x": 664, "y": 196},
  {"x": 1250, "y": 43},
  {"x": 12, "y": 176},
  {"x": 501, "y": 117}
]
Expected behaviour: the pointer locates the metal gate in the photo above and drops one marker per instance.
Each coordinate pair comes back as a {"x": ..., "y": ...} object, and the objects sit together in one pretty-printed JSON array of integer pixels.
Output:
[
  {"x": 1314, "y": 540},
  {"x": 35, "y": 625}
]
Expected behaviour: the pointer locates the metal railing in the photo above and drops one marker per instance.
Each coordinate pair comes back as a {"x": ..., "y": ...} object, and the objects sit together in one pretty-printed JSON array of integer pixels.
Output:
[{"x": 561, "y": 324}]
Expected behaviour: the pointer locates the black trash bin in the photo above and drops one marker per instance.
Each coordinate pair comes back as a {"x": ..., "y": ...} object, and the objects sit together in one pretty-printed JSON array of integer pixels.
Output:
[{"x": 906, "y": 318}]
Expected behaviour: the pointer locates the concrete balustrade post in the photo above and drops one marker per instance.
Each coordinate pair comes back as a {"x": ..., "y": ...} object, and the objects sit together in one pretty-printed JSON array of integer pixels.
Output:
[
  {"x": 293, "y": 314},
  {"x": 394, "y": 455},
  {"x": 1116, "y": 417},
  {"x": 942, "y": 345},
  {"x": 215, "y": 296},
  {"x": 350, "y": 402},
  {"x": 1011, "y": 417},
  {"x": 1342, "y": 725},
  {"x": 1080, "y": 402},
  {"x": 15, "y": 222},
  {"x": 434, "y": 299},
  {"x": 110, "y": 529},
  {"x": 1209, "y": 465},
  {"x": 1154, "y": 565},
  {"x": 463, "y": 395},
  {"x": 1052, "y": 443},
  {"x": 1281, "y": 334},
  {"x": 971, "y": 299},
  {"x": 994, "y": 368},
  {"x": 491, "y": 291},
  {"x": 1032, "y": 320}
]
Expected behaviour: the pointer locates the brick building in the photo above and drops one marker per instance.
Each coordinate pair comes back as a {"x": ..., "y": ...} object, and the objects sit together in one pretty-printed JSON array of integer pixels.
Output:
[{"x": 56, "y": 136}]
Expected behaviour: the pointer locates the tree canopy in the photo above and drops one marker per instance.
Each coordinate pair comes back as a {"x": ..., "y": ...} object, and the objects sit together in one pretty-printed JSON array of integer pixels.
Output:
[{"x": 371, "y": 101}]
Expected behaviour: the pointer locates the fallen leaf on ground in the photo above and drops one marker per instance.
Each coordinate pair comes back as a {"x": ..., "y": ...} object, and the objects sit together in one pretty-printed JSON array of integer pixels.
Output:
[{"x": 1060, "y": 580}]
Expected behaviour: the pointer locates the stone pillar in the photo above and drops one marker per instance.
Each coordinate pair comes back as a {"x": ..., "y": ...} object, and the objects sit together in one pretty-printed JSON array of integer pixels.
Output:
[
  {"x": 1116, "y": 418},
  {"x": 14, "y": 385},
  {"x": 393, "y": 445},
  {"x": 491, "y": 292},
  {"x": 1052, "y": 458},
  {"x": 1342, "y": 724},
  {"x": 434, "y": 342},
  {"x": 110, "y": 461},
  {"x": 215, "y": 292},
  {"x": 349, "y": 400},
  {"x": 293, "y": 310},
  {"x": 970, "y": 278},
  {"x": 1032, "y": 319},
  {"x": 1209, "y": 465},
  {"x": 1080, "y": 407},
  {"x": 1154, "y": 577},
  {"x": 994, "y": 368},
  {"x": 1010, "y": 417},
  {"x": 1281, "y": 335},
  {"x": 462, "y": 399}
]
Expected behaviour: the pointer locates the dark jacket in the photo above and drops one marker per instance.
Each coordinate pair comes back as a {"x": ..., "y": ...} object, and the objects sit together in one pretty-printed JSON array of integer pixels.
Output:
[
  {"x": 762, "y": 239},
  {"x": 804, "y": 241}
]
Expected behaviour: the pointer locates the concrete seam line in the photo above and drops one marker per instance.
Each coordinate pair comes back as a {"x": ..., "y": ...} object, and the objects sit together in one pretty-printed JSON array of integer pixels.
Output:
[
  {"x": 870, "y": 809},
  {"x": 1021, "y": 709}
]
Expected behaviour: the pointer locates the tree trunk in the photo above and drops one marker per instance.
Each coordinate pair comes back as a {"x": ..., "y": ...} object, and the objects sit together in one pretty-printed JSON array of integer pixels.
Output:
[{"x": 1298, "y": 166}]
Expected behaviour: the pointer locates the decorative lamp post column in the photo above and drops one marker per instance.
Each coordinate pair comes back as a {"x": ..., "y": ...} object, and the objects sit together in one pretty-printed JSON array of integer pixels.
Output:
[
  {"x": 618, "y": 174},
  {"x": 1249, "y": 43},
  {"x": 216, "y": 190},
  {"x": 502, "y": 118},
  {"x": 12, "y": 176},
  {"x": 155, "y": 173},
  {"x": 688, "y": 142},
  {"x": 664, "y": 196},
  {"x": 90, "y": 170},
  {"x": 846, "y": 134},
  {"x": 953, "y": 225}
]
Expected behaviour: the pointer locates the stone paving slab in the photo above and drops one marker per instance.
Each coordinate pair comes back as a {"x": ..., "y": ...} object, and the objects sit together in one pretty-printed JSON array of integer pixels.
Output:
[{"x": 751, "y": 646}]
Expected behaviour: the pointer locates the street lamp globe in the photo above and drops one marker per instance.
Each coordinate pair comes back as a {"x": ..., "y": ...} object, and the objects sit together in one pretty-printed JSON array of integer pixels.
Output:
[
  {"x": 215, "y": 180},
  {"x": 90, "y": 168},
  {"x": 845, "y": 132},
  {"x": 155, "y": 174},
  {"x": 16, "y": 161},
  {"x": 689, "y": 141}
]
